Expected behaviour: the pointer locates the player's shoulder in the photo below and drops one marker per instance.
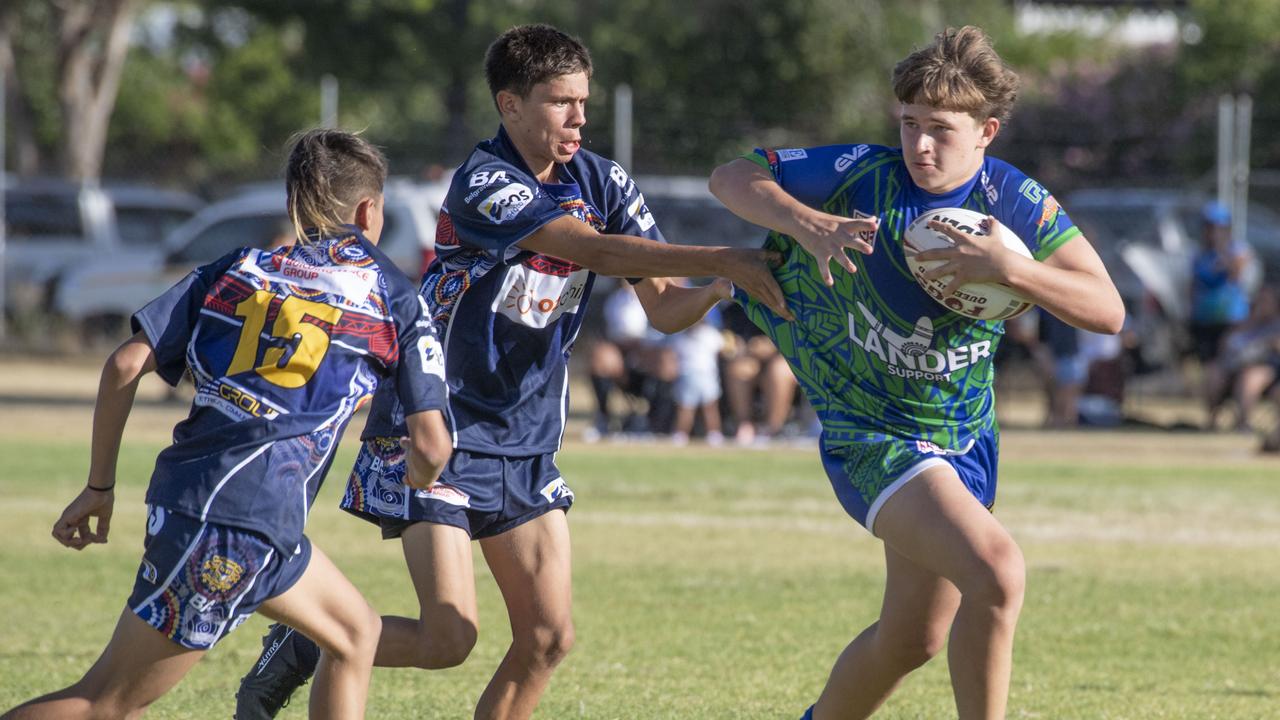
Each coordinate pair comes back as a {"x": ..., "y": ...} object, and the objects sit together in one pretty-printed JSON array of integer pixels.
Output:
[{"x": 482, "y": 169}]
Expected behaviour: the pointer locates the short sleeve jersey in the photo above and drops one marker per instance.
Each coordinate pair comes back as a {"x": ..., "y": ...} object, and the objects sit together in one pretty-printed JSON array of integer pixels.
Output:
[
  {"x": 875, "y": 354},
  {"x": 509, "y": 317},
  {"x": 282, "y": 348}
]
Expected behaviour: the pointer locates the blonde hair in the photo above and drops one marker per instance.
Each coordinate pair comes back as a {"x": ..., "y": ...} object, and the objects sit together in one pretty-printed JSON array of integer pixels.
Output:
[
  {"x": 328, "y": 173},
  {"x": 960, "y": 71}
]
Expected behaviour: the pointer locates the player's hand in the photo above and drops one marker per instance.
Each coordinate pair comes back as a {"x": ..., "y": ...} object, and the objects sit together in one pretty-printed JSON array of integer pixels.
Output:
[
  {"x": 971, "y": 258},
  {"x": 73, "y": 528},
  {"x": 721, "y": 288},
  {"x": 750, "y": 270},
  {"x": 826, "y": 237}
]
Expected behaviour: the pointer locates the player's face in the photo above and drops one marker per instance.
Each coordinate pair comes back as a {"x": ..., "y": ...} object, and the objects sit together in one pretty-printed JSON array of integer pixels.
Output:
[
  {"x": 943, "y": 148},
  {"x": 546, "y": 125}
]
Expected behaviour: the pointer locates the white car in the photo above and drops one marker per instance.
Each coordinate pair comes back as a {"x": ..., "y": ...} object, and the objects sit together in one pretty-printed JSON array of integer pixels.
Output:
[
  {"x": 54, "y": 227},
  {"x": 102, "y": 294}
]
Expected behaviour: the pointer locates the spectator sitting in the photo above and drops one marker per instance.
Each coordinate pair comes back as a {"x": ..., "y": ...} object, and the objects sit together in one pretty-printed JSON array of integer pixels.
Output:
[
  {"x": 1248, "y": 363},
  {"x": 697, "y": 387},
  {"x": 754, "y": 364},
  {"x": 629, "y": 359}
]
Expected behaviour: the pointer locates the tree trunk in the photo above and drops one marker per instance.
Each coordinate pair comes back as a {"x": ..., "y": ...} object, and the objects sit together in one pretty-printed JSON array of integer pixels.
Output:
[
  {"x": 93, "y": 39},
  {"x": 25, "y": 155}
]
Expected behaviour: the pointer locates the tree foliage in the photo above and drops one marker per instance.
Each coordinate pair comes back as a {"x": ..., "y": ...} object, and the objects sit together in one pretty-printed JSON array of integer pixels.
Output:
[{"x": 212, "y": 89}]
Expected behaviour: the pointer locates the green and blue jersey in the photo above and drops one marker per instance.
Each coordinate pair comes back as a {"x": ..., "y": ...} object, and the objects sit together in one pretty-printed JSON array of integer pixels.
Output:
[{"x": 876, "y": 355}]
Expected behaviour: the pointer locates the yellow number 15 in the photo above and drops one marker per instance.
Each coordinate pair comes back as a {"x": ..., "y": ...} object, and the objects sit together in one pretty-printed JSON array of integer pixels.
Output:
[{"x": 296, "y": 346}]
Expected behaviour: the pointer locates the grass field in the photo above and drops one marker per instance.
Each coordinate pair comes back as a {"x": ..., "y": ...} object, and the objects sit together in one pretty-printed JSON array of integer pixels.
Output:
[{"x": 722, "y": 584}]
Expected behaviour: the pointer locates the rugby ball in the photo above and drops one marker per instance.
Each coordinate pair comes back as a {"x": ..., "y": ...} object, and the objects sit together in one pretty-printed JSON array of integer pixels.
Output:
[{"x": 980, "y": 301}]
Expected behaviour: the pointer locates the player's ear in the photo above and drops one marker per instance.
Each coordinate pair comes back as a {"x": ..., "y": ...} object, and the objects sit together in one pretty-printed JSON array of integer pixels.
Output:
[
  {"x": 990, "y": 128},
  {"x": 365, "y": 210},
  {"x": 508, "y": 103}
]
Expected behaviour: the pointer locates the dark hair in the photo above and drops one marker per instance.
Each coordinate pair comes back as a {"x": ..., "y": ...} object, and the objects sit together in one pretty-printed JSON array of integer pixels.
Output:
[
  {"x": 328, "y": 173},
  {"x": 526, "y": 55},
  {"x": 960, "y": 72}
]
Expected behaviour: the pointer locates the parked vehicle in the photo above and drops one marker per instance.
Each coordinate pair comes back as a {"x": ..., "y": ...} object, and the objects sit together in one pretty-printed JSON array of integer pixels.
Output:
[
  {"x": 689, "y": 214},
  {"x": 1147, "y": 238},
  {"x": 101, "y": 295},
  {"x": 54, "y": 226}
]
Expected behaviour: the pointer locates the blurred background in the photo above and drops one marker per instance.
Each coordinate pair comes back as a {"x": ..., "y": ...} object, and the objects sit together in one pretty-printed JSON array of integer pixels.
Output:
[{"x": 143, "y": 137}]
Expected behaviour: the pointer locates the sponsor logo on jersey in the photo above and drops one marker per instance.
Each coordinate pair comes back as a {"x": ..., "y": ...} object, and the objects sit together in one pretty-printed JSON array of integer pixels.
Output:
[
  {"x": 555, "y": 490},
  {"x": 235, "y": 402},
  {"x": 432, "y": 356},
  {"x": 912, "y": 357},
  {"x": 846, "y": 160},
  {"x": 446, "y": 494},
  {"x": 506, "y": 203},
  {"x": 481, "y": 178},
  {"x": 352, "y": 283},
  {"x": 790, "y": 154},
  {"x": 1049, "y": 211},
  {"x": 536, "y": 299},
  {"x": 988, "y": 189}
]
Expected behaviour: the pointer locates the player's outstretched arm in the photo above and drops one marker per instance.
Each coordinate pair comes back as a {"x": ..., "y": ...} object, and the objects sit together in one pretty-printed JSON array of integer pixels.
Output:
[
  {"x": 627, "y": 256},
  {"x": 116, "y": 390},
  {"x": 1072, "y": 283},
  {"x": 753, "y": 195},
  {"x": 429, "y": 445},
  {"x": 672, "y": 307}
]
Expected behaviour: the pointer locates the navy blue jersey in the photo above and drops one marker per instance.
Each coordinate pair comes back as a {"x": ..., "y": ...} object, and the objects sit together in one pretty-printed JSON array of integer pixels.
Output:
[
  {"x": 509, "y": 317},
  {"x": 282, "y": 348}
]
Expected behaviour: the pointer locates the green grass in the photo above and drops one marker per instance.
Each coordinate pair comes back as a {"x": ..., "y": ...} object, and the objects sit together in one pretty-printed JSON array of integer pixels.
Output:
[{"x": 722, "y": 584}]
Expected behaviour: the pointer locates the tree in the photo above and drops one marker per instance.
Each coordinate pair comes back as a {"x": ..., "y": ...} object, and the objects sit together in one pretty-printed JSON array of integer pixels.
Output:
[{"x": 76, "y": 49}]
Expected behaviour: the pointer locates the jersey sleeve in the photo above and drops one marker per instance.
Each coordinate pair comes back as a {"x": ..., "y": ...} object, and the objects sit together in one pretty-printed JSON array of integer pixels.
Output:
[
  {"x": 169, "y": 320},
  {"x": 495, "y": 205},
  {"x": 419, "y": 377},
  {"x": 1032, "y": 213},
  {"x": 627, "y": 211},
  {"x": 810, "y": 175}
]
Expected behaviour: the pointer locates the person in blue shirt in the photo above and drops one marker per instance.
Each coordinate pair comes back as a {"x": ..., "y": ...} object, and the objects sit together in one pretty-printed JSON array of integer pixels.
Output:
[
  {"x": 529, "y": 222},
  {"x": 282, "y": 347},
  {"x": 903, "y": 386},
  {"x": 1219, "y": 299}
]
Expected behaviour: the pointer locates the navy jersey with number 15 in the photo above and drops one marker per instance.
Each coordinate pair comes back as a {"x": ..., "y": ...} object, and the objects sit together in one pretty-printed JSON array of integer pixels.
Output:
[
  {"x": 282, "y": 348},
  {"x": 509, "y": 317}
]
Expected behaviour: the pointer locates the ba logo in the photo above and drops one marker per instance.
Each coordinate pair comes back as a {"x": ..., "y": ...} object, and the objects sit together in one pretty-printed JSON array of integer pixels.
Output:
[
  {"x": 506, "y": 203},
  {"x": 846, "y": 160},
  {"x": 484, "y": 177}
]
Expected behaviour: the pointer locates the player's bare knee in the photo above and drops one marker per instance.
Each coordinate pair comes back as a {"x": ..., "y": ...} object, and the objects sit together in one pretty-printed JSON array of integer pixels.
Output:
[
  {"x": 546, "y": 646},
  {"x": 355, "y": 639},
  {"x": 446, "y": 646},
  {"x": 1002, "y": 580}
]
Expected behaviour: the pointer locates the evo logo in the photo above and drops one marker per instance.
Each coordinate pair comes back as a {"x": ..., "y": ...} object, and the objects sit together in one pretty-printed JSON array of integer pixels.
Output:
[{"x": 846, "y": 160}]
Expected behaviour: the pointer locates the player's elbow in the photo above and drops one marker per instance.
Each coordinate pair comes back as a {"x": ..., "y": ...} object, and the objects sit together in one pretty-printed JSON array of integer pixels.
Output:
[
  {"x": 129, "y": 361},
  {"x": 1108, "y": 319},
  {"x": 721, "y": 179}
]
